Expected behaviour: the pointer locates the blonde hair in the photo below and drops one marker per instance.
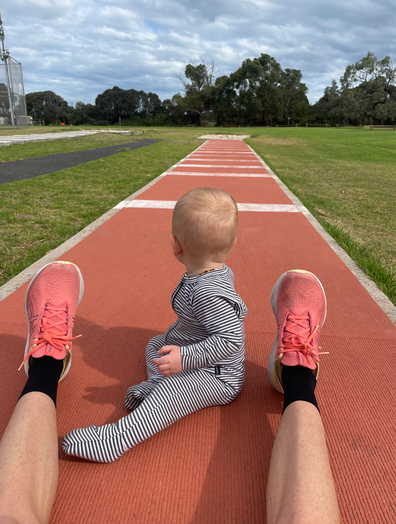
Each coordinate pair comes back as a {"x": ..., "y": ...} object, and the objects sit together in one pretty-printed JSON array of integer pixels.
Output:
[{"x": 205, "y": 221}]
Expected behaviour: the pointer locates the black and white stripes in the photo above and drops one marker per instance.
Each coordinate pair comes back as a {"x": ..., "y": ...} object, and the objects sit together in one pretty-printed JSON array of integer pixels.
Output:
[
  {"x": 209, "y": 329},
  {"x": 173, "y": 398},
  {"x": 210, "y": 333}
]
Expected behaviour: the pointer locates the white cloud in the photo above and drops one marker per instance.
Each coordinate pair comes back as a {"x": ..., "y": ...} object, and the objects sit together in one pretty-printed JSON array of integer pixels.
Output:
[{"x": 80, "y": 49}]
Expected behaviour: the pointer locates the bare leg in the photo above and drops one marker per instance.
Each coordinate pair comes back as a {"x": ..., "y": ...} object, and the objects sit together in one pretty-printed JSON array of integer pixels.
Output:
[
  {"x": 29, "y": 462},
  {"x": 300, "y": 483},
  {"x": 29, "y": 447}
]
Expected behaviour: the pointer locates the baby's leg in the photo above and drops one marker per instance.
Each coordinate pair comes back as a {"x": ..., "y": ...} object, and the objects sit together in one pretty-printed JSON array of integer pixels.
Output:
[
  {"x": 173, "y": 398},
  {"x": 136, "y": 394}
]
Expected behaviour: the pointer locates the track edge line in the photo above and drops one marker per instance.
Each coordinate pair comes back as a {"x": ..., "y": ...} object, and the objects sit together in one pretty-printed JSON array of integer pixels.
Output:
[
  {"x": 369, "y": 285},
  {"x": 15, "y": 283}
]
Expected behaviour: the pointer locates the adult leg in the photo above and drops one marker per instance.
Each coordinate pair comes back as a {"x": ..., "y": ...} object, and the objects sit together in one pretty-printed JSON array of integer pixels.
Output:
[
  {"x": 300, "y": 484},
  {"x": 174, "y": 397},
  {"x": 29, "y": 447},
  {"x": 29, "y": 461}
]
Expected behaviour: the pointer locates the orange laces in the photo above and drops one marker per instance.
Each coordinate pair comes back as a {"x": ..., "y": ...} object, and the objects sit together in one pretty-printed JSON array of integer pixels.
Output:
[
  {"x": 300, "y": 340},
  {"x": 50, "y": 332}
]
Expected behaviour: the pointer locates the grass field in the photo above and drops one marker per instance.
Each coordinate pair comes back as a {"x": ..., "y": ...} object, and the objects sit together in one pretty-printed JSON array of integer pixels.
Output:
[{"x": 346, "y": 177}]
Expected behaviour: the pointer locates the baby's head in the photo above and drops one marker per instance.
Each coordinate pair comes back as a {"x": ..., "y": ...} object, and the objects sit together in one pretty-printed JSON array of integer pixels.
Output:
[{"x": 205, "y": 222}]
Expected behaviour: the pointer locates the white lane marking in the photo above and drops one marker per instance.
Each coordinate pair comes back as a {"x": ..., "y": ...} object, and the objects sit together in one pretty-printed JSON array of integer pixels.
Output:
[
  {"x": 242, "y": 175},
  {"x": 220, "y": 165},
  {"x": 269, "y": 208},
  {"x": 229, "y": 152},
  {"x": 151, "y": 204},
  {"x": 195, "y": 159},
  {"x": 170, "y": 204}
]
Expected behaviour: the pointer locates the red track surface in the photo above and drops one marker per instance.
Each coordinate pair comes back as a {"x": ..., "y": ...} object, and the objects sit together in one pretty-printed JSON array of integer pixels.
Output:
[{"x": 212, "y": 466}]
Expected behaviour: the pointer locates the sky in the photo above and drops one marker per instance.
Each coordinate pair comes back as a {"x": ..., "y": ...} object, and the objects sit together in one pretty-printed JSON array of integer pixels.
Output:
[{"x": 79, "y": 48}]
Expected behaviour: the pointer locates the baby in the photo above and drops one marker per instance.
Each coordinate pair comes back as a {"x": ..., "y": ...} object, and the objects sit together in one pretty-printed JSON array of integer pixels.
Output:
[{"x": 199, "y": 361}]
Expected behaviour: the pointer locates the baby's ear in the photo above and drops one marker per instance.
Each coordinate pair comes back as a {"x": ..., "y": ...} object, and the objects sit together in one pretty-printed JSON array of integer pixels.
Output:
[{"x": 176, "y": 247}]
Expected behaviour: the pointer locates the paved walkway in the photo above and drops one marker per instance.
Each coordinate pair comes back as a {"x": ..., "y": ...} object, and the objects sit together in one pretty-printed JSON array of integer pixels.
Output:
[
  {"x": 44, "y": 165},
  {"x": 212, "y": 466}
]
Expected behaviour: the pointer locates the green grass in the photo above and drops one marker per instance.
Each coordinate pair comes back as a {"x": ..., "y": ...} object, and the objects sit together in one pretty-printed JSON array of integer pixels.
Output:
[{"x": 346, "y": 177}]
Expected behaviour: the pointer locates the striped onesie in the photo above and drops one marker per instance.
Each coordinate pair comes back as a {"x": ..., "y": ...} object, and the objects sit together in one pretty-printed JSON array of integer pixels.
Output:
[{"x": 210, "y": 333}]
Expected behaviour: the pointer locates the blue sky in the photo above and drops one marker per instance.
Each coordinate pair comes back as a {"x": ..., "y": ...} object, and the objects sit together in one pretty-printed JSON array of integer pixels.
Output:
[{"x": 80, "y": 48}]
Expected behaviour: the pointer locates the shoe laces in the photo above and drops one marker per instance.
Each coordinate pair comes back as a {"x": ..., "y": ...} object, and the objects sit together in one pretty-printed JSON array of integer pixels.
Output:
[
  {"x": 297, "y": 336},
  {"x": 53, "y": 324}
]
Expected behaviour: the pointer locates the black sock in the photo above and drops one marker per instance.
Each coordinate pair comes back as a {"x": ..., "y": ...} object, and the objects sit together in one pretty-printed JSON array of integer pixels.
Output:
[
  {"x": 44, "y": 374},
  {"x": 299, "y": 383}
]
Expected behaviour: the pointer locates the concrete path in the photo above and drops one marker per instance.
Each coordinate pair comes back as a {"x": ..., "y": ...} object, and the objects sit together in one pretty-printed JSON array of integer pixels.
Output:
[{"x": 43, "y": 137}]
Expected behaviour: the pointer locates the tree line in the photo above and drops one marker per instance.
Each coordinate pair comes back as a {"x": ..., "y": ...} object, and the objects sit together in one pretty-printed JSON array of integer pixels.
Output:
[{"x": 260, "y": 92}]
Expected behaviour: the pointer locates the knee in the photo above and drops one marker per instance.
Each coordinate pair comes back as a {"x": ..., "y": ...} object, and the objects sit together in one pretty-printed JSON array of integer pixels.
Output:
[{"x": 155, "y": 344}]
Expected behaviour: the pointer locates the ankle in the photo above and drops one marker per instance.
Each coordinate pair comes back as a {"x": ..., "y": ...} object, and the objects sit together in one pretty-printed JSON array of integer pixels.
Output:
[
  {"x": 299, "y": 383},
  {"x": 44, "y": 374}
]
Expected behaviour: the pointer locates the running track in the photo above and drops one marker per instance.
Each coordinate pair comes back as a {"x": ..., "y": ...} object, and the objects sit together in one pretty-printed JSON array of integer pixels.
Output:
[{"x": 212, "y": 466}]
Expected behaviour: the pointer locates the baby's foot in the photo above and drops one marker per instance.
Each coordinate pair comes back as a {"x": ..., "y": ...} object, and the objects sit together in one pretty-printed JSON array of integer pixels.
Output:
[
  {"x": 133, "y": 398},
  {"x": 136, "y": 394},
  {"x": 100, "y": 444}
]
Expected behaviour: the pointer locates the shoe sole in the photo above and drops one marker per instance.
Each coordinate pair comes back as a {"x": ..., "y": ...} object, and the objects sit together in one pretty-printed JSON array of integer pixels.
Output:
[
  {"x": 69, "y": 355},
  {"x": 274, "y": 296}
]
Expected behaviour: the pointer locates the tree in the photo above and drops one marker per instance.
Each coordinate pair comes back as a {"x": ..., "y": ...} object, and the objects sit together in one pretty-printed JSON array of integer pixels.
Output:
[
  {"x": 367, "y": 93},
  {"x": 225, "y": 106},
  {"x": 323, "y": 112},
  {"x": 4, "y": 101},
  {"x": 260, "y": 92},
  {"x": 293, "y": 96},
  {"x": 116, "y": 102},
  {"x": 47, "y": 106},
  {"x": 200, "y": 91},
  {"x": 371, "y": 83},
  {"x": 85, "y": 114}
]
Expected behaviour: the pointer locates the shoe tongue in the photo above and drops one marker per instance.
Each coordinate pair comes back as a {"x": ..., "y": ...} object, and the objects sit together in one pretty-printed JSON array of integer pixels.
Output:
[{"x": 302, "y": 325}]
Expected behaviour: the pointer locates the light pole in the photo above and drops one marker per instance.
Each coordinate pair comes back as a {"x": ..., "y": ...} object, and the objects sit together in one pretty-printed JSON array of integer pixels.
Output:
[{"x": 5, "y": 55}]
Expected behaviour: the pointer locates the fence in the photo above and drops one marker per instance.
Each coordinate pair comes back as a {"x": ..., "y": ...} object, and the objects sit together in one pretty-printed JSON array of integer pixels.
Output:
[{"x": 12, "y": 94}]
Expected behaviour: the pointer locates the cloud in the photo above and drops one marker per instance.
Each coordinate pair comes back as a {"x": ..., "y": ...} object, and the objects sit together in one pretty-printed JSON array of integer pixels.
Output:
[{"x": 79, "y": 49}]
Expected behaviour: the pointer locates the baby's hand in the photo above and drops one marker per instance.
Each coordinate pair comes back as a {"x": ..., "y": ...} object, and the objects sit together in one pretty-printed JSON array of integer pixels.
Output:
[{"x": 170, "y": 364}]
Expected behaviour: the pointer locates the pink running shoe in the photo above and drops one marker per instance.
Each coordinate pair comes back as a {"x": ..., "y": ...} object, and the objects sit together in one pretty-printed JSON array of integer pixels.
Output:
[
  {"x": 50, "y": 305},
  {"x": 298, "y": 301}
]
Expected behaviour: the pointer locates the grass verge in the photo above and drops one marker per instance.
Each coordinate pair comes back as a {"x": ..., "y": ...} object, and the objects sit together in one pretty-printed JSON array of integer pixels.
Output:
[
  {"x": 38, "y": 214},
  {"x": 347, "y": 179}
]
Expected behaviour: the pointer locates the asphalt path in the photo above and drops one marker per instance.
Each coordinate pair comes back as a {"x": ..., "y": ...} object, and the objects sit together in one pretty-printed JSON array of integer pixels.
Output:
[{"x": 44, "y": 165}]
